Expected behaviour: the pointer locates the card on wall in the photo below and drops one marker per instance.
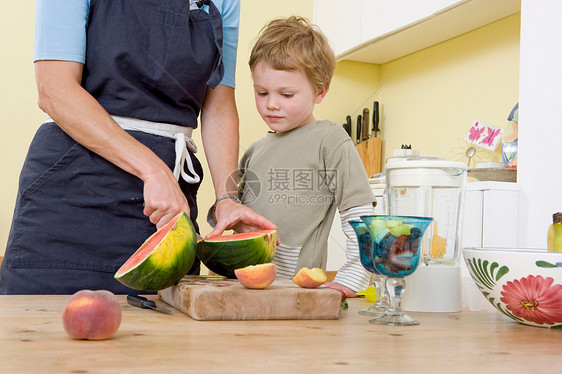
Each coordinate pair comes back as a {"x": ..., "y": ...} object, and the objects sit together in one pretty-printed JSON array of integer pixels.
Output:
[{"x": 484, "y": 135}]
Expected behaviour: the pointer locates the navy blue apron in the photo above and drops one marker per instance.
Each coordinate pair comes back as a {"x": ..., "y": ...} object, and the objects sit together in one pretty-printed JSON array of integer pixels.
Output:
[{"x": 78, "y": 217}]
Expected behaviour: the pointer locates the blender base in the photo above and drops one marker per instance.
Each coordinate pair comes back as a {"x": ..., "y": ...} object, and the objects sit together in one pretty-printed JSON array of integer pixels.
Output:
[{"x": 434, "y": 288}]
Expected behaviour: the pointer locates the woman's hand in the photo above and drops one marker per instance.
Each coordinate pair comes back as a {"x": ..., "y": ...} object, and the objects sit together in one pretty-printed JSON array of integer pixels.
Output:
[
  {"x": 348, "y": 292},
  {"x": 163, "y": 198},
  {"x": 233, "y": 216}
]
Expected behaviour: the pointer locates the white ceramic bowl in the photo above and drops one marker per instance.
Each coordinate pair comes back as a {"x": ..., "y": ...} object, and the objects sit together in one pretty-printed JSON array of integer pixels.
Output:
[{"x": 523, "y": 284}]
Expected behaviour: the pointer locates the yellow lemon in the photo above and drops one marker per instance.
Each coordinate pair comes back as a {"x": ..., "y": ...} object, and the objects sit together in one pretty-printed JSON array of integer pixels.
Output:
[{"x": 371, "y": 294}]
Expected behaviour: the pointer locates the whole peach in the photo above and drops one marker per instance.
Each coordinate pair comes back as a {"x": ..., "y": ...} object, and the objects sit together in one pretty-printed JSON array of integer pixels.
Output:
[{"x": 93, "y": 315}]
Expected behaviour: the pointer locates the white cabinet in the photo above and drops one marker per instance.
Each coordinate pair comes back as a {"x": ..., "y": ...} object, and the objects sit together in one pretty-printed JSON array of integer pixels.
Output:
[
  {"x": 379, "y": 31},
  {"x": 538, "y": 173},
  {"x": 382, "y": 17},
  {"x": 490, "y": 219},
  {"x": 491, "y": 216},
  {"x": 340, "y": 22},
  {"x": 336, "y": 246}
]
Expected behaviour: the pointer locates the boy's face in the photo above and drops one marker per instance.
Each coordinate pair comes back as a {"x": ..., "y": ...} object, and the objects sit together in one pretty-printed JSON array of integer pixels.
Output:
[{"x": 285, "y": 99}]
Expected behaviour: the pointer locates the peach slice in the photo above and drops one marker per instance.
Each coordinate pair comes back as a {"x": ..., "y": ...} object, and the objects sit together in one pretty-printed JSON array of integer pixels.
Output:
[
  {"x": 257, "y": 276},
  {"x": 310, "y": 278}
]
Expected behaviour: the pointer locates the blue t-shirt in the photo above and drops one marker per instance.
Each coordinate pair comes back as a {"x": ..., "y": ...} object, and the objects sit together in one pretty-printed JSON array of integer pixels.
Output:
[{"x": 57, "y": 40}]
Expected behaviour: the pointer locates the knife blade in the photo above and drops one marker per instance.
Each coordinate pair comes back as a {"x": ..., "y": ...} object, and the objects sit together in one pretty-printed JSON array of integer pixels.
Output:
[
  {"x": 358, "y": 129},
  {"x": 144, "y": 303},
  {"x": 365, "y": 125},
  {"x": 376, "y": 118}
]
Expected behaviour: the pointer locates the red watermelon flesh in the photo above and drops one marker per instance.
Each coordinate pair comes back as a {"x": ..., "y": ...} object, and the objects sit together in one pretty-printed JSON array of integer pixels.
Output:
[{"x": 147, "y": 247}]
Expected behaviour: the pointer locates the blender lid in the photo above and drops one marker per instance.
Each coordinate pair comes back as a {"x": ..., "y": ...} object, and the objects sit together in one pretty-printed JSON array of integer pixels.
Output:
[{"x": 425, "y": 162}]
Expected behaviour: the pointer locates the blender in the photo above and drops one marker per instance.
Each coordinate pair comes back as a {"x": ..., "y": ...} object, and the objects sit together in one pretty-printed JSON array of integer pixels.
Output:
[{"x": 431, "y": 187}]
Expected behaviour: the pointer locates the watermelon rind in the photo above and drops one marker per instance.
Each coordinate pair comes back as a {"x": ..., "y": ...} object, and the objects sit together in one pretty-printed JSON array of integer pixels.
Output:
[
  {"x": 168, "y": 261},
  {"x": 224, "y": 254}
]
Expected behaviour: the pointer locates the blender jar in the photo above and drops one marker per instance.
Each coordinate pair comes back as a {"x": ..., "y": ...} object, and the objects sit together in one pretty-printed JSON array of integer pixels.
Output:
[{"x": 430, "y": 187}]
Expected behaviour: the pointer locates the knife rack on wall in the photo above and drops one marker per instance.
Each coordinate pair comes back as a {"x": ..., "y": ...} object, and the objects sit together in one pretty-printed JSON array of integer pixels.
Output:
[{"x": 370, "y": 153}]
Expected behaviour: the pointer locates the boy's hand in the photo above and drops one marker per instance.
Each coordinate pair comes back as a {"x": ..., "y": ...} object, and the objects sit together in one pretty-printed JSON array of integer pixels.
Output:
[
  {"x": 233, "y": 216},
  {"x": 348, "y": 292}
]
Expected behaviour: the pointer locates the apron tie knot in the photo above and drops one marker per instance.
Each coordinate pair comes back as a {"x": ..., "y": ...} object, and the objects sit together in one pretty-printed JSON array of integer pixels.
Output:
[{"x": 184, "y": 143}]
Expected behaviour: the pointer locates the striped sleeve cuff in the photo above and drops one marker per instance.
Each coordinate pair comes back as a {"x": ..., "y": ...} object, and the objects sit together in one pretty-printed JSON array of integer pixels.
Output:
[{"x": 352, "y": 274}]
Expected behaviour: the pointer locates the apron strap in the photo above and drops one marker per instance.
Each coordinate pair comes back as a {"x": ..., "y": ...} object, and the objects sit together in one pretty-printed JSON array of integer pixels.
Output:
[
  {"x": 216, "y": 21},
  {"x": 183, "y": 143},
  {"x": 181, "y": 135}
]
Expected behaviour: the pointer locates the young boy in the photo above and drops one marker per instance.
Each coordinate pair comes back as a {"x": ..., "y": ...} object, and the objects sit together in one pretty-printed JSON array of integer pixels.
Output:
[{"x": 303, "y": 169}]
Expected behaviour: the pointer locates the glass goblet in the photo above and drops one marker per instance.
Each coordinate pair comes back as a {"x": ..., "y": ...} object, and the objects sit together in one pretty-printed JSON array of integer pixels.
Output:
[
  {"x": 366, "y": 255},
  {"x": 396, "y": 254}
]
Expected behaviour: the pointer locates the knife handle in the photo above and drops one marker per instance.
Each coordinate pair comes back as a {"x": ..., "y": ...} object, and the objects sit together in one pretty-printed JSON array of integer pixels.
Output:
[
  {"x": 140, "y": 302},
  {"x": 359, "y": 120},
  {"x": 347, "y": 125},
  {"x": 376, "y": 117},
  {"x": 365, "y": 126}
]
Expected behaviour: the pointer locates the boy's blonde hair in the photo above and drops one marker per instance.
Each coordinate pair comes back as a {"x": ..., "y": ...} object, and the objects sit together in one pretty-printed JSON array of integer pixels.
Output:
[{"x": 293, "y": 43}]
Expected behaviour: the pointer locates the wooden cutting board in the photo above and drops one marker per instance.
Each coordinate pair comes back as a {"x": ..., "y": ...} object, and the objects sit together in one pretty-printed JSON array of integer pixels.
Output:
[{"x": 212, "y": 298}]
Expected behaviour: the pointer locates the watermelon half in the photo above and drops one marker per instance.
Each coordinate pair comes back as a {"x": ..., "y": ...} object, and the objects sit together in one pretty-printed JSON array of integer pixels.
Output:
[
  {"x": 163, "y": 259},
  {"x": 223, "y": 254}
]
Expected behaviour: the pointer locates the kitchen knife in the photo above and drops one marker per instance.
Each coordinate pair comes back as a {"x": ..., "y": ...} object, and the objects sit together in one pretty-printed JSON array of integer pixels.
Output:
[
  {"x": 359, "y": 120},
  {"x": 365, "y": 125},
  {"x": 375, "y": 118},
  {"x": 348, "y": 125},
  {"x": 144, "y": 303}
]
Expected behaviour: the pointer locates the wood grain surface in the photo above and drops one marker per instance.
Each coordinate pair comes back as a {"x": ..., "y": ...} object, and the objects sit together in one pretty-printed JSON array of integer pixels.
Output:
[
  {"x": 213, "y": 298},
  {"x": 370, "y": 153},
  {"x": 32, "y": 340}
]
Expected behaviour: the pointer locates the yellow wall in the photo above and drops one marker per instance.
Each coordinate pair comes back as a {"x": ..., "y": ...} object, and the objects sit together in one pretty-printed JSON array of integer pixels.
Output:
[
  {"x": 428, "y": 99},
  {"x": 352, "y": 89},
  {"x": 433, "y": 96},
  {"x": 19, "y": 115}
]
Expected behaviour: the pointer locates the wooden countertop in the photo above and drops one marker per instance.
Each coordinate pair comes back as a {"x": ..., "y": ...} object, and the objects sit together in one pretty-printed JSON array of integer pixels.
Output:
[{"x": 32, "y": 340}]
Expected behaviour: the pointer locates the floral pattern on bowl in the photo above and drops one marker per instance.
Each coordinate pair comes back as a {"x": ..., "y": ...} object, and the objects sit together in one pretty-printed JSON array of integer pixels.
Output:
[{"x": 525, "y": 285}]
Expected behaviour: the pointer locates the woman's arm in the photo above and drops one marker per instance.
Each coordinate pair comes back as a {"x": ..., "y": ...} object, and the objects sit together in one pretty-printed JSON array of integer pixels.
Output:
[
  {"x": 219, "y": 130},
  {"x": 73, "y": 109}
]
